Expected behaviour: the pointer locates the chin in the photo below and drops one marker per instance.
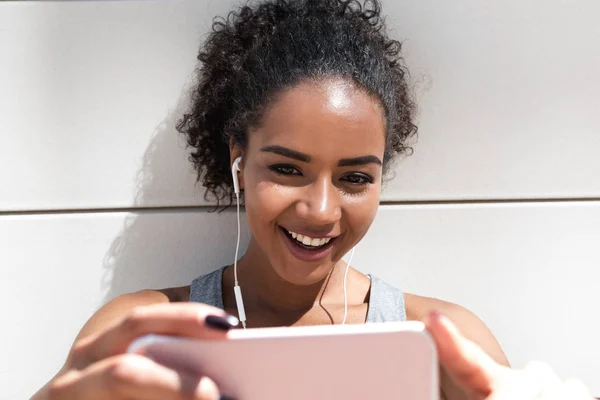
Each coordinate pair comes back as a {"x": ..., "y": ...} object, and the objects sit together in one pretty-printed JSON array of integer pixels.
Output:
[{"x": 302, "y": 273}]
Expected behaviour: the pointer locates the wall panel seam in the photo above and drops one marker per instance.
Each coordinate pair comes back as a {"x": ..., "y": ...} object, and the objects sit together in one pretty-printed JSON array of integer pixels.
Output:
[{"x": 407, "y": 203}]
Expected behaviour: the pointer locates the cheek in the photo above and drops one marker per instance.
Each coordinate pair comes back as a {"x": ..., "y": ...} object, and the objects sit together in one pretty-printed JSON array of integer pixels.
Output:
[
  {"x": 265, "y": 201},
  {"x": 360, "y": 213}
]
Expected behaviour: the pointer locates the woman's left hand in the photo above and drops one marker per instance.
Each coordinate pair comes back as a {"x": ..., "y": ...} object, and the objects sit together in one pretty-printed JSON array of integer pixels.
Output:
[{"x": 482, "y": 378}]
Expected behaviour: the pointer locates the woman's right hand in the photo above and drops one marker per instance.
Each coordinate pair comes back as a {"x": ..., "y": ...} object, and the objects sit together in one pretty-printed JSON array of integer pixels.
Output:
[
  {"x": 482, "y": 378},
  {"x": 99, "y": 367}
]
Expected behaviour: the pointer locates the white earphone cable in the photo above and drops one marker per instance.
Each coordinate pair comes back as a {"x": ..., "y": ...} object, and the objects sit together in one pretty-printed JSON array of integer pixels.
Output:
[
  {"x": 237, "y": 246},
  {"x": 236, "y": 288},
  {"x": 346, "y": 287}
]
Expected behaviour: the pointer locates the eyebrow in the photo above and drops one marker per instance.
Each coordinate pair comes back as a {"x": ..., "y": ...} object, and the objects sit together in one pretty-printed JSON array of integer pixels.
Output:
[
  {"x": 296, "y": 155},
  {"x": 348, "y": 162},
  {"x": 289, "y": 153}
]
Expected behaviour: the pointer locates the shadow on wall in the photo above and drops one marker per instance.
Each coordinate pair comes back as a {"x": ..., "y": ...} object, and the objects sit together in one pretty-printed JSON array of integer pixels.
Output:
[{"x": 168, "y": 247}]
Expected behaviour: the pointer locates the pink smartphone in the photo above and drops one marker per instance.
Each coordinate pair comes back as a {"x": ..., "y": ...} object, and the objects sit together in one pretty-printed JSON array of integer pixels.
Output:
[{"x": 396, "y": 360}]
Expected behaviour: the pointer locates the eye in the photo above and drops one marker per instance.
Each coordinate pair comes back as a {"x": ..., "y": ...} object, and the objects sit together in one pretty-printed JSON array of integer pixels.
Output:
[
  {"x": 285, "y": 169},
  {"x": 358, "y": 179}
]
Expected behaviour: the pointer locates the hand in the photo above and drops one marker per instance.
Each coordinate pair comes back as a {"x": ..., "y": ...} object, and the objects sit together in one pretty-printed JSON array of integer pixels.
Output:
[
  {"x": 99, "y": 368},
  {"x": 482, "y": 378}
]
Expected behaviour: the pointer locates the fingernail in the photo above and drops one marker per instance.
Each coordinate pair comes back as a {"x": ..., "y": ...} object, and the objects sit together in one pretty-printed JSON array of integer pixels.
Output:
[
  {"x": 435, "y": 315},
  {"x": 440, "y": 318},
  {"x": 221, "y": 323},
  {"x": 226, "y": 398}
]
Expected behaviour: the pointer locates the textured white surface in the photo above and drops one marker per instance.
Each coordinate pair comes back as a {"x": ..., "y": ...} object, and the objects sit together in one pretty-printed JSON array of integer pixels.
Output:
[
  {"x": 529, "y": 271},
  {"x": 509, "y": 96},
  {"x": 510, "y": 99},
  {"x": 91, "y": 92}
]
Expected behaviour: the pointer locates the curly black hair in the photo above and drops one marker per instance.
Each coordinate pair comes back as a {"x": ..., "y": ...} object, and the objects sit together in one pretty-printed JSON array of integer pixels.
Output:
[{"x": 264, "y": 47}]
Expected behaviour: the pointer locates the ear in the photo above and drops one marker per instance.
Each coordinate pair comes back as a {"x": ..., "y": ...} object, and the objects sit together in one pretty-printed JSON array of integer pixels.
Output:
[{"x": 236, "y": 151}]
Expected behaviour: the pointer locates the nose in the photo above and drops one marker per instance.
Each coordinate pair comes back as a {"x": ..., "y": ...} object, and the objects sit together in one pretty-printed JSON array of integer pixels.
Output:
[{"x": 321, "y": 202}]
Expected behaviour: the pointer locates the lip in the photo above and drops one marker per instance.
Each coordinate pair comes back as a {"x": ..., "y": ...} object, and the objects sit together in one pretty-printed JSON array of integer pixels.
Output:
[
  {"x": 310, "y": 234},
  {"x": 304, "y": 254}
]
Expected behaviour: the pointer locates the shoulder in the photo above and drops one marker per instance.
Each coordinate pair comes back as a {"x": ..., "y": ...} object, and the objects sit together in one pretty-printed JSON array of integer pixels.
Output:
[
  {"x": 115, "y": 310},
  {"x": 418, "y": 308},
  {"x": 119, "y": 307},
  {"x": 147, "y": 297},
  {"x": 176, "y": 294}
]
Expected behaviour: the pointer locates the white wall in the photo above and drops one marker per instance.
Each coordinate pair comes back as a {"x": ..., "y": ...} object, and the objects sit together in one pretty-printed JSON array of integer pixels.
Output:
[{"x": 95, "y": 188}]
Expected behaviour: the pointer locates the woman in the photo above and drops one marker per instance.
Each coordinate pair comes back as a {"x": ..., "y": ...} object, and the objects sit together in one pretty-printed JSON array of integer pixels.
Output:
[{"x": 311, "y": 96}]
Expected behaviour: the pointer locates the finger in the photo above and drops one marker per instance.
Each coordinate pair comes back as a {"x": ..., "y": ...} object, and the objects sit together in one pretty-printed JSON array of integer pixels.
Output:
[
  {"x": 464, "y": 361},
  {"x": 190, "y": 320},
  {"x": 131, "y": 376},
  {"x": 542, "y": 379},
  {"x": 576, "y": 390},
  {"x": 554, "y": 391},
  {"x": 516, "y": 390},
  {"x": 570, "y": 390}
]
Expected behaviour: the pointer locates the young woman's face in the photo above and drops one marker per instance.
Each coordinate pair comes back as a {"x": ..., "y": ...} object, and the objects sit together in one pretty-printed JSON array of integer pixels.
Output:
[{"x": 312, "y": 173}]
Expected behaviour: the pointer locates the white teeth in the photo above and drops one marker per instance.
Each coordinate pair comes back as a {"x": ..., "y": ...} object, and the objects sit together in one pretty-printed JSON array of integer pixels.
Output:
[{"x": 308, "y": 241}]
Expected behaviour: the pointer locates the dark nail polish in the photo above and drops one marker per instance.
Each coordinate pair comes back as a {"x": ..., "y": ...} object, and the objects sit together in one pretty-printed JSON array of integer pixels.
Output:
[
  {"x": 221, "y": 323},
  {"x": 226, "y": 398}
]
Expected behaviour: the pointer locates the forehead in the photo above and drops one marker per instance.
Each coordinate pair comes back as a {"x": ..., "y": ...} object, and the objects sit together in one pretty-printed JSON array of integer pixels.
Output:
[{"x": 326, "y": 119}]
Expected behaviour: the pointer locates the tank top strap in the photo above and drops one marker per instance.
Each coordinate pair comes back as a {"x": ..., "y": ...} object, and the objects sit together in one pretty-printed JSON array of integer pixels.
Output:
[
  {"x": 386, "y": 303},
  {"x": 208, "y": 289}
]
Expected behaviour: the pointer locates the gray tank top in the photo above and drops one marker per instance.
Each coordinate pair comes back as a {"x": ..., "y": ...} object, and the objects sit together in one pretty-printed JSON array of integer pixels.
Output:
[{"x": 386, "y": 303}]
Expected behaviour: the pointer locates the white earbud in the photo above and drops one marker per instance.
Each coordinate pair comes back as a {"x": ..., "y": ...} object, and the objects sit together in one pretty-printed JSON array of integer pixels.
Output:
[{"x": 234, "y": 170}]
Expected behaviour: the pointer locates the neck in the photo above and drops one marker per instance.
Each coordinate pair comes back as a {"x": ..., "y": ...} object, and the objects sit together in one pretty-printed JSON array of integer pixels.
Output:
[{"x": 265, "y": 291}]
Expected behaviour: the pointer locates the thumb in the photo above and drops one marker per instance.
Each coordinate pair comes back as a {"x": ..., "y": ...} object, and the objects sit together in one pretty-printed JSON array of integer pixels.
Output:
[{"x": 464, "y": 361}]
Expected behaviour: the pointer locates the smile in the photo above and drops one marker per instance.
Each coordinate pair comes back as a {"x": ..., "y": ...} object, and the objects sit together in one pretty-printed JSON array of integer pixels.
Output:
[
  {"x": 305, "y": 247},
  {"x": 308, "y": 241}
]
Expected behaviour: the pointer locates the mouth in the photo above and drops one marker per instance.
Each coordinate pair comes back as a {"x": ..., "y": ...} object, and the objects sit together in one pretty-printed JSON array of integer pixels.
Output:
[{"x": 306, "y": 248}]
